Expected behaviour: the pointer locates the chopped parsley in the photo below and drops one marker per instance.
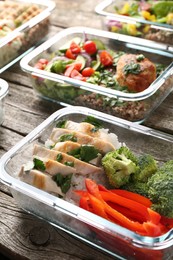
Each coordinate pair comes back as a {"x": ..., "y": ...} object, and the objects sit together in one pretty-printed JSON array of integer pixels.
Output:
[
  {"x": 39, "y": 165},
  {"x": 64, "y": 182},
  {"x": 71, "y": 164},
  {"x": 67, "y": 137},
  {"x": 132, "y": 68},
  {"x": 140, "y": 57},
  {"x": 94, "y": 121},
  {"x": 85, "y": 153},
  {"x": 59, "y": 157},
  {"x": 61, "y": 123}
]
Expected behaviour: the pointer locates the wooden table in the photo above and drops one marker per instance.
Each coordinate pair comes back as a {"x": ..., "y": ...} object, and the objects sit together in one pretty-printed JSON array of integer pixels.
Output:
[{"x": 18, "y": 229}]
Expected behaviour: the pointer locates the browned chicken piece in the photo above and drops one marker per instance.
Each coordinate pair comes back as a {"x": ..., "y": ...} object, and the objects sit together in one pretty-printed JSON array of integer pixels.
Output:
[
  {"x": 135, "y": 72},
  {"x": 81, "y": 167}
]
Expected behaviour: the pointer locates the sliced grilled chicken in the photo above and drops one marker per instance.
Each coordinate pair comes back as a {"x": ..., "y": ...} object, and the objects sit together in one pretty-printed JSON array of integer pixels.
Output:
[
  {"x": 69, "y": 146},
  {"x": 66, "y": 147},
  {"x": 53, "y": 167},
  {"x": 80, "y": 166},
  {"x": 40, "y": 180},
  {"x": 81, "y": 138},
  {"x": 89, "y": 129}
]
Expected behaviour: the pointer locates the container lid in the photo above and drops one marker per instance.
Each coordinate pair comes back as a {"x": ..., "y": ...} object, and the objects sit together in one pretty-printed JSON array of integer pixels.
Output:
[{"x": 3, "y": 88}]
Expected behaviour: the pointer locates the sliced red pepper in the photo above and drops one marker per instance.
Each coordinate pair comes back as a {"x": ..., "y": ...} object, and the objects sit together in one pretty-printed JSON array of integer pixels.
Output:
[
  {"x": 92, "y": 188},
  {"x": 154, "y": 216},
  {"x": 98, "y": 207},
  {"x": 133, "y": 196},
  {"x": 85, "y": 203},
  {"x": 130, "y": 204},
  {"x": 152, "y": 229},
  {"x": 127, "y": 213}
]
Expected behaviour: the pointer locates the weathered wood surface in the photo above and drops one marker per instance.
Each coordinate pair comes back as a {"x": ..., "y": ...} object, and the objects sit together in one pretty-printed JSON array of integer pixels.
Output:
[{"x": 24, "y": 112}]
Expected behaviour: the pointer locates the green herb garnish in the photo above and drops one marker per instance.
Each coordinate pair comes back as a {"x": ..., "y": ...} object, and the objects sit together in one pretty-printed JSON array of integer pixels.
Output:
[
  {"x": 85, "y": 153},
  {"x": 64, "y": 182},
  {"x": 61, "y": 123},
  {"x": 132, "y": 68},
  {"x": 59, "y": 157},
  {"x": 94, "y": 121},
  {"x": 38, "y": 164},
  {"x": 67, "y": 137},
  {"x": 140, "y": 57},
  {"x": 71, "y": 164}
]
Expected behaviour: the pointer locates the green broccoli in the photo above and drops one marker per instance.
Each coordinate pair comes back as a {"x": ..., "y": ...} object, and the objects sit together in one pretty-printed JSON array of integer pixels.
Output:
[
  {"x": 119, "y": 165},
  {"x": 160, "y": 189},
  {"x": 147, "y": 167},
  {"x": 137, "y": 187}
]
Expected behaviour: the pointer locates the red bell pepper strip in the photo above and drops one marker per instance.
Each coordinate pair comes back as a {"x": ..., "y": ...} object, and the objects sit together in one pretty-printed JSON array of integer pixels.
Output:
[
  {"x": 120, "y": 210},
  {"x": 133, "y": 196},
  {"x": 98, "y": 206},
  {"x": 127, "y": 203},
  {"x": 129, "y": 195}
]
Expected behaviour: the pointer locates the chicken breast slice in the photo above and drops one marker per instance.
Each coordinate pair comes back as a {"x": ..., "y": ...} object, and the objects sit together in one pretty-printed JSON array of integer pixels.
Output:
[
  {"x": 81, "y": 167},
  {"x": 40, "y": 180},
  {"x": 69, "y": 146},
  {"x": 103, "y": 146},
  {"x": 89, "y": 129}
]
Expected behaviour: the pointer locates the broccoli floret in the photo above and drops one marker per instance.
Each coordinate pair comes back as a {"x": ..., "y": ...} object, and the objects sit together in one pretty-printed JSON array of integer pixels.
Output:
[
  {"x": 137, "y": 187},
  {"x": 147, "y": 167},
  {"x": 119, "y": 165},
  {"x": 160, "y": 189}
]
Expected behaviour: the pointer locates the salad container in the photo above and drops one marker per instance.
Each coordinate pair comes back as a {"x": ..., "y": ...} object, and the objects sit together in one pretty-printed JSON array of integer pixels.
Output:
[
  {"x": 96, "y": 231},
  {"x": 66, "y": 90},
  {"x": 138, "y": 19},
  {"x": 23, "y": 25},
  {"x": 3, "y": 93}
]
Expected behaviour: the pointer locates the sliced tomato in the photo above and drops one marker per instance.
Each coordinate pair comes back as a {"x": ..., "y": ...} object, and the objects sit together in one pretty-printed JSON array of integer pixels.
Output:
[
  {"x": 77, "y": 75},
  {"x": 106, "y": 59},
  {"x": 68, "y": 71},
  {"x": 69, "y": 54},
  {"x": 90, "y": 47},
  {"x": 43, "y": 61},
  {"x": 87, "y": 72},
  {"x": 76, "y": 65},
  {"x": 75, "y": 48}
]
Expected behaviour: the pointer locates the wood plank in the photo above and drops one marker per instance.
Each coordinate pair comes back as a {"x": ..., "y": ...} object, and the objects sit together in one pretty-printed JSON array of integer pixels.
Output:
[{"x": 27, "y": 236}]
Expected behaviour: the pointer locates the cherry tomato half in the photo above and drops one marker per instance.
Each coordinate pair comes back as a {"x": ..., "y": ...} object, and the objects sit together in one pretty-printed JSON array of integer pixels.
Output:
[
  {"x": 43, "y": 61},
  {"x": 106, "y": 59},
  {"x": 87, "y": 72},
  {"x": 69, "y": 54},
  {"x": 75, "y": 48},
  {"x": 90, "y": 47}
]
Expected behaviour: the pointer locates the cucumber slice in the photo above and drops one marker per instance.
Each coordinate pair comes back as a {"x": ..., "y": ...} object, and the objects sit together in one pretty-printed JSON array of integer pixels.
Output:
[
  {"x": 96, "y": 63},
  {"x": 66, "y": 46},
  {"x": 82, "y": 60},
  {"x": 100, "y": 45}
]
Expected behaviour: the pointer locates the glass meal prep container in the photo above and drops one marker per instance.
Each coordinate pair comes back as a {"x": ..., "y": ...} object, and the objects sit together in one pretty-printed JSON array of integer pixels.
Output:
[
  {"x": 96, "y": 231},
  {"x": 136, "y": 18},
  {"x": 23, "y": 24},
  {"x": 3, "y": 93},
  {"x": 66, "y": 90}
]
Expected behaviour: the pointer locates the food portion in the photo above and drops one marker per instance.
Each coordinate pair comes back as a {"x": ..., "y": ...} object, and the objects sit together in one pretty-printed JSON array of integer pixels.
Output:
[
  {"x": 154, "y": 11},
  {"x": 12, "y": 16},
  {"x": 90, "y": 60},
  {"x": 85, "y": 164},
  {"x": 159, "y": 12}
]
